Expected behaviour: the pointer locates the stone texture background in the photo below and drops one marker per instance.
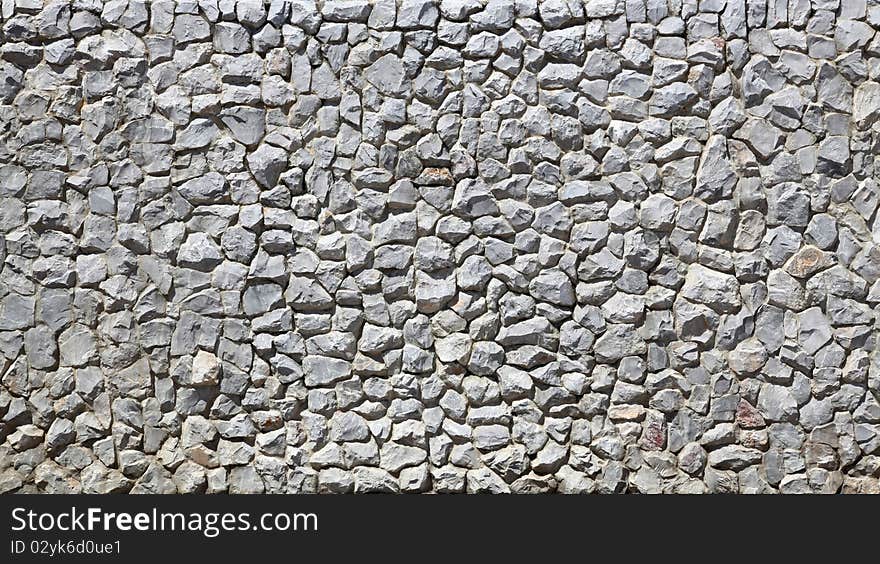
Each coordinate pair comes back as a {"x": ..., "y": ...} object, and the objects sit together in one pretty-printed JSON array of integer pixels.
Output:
[{"x": 568, "y": 246}]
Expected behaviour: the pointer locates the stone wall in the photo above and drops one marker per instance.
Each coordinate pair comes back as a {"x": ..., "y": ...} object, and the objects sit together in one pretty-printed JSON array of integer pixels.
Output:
[{"x": 568, "y": 246}]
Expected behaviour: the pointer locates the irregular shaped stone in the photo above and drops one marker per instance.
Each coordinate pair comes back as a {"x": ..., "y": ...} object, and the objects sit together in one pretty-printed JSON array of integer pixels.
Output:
[
  {"x": 321, "y": 370},
  {"x": 387, "y": 74},
  {"x": 199, "y": 252},
  {"x": 715, "y": 289},
  {"x": 776, "y": 403},
  {"x": 247, "y": 125},
  {"x": 208, "y": 189},
  {"x": 617, "y": 342},
  {"x": 266, "y": 164}
]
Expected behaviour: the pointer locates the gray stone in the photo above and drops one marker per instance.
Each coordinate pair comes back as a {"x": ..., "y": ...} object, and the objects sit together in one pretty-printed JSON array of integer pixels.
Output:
[
  {"x": 77, "y": 346},
  {"x": 206, "y": 189},
  {"x": 266, "y": 164},
  {"x": 717, "y": 290},
  {"x": 199, "y": 133},
  {"x": 776, "y": 403},
  {"x": 199, "y": 252},
  {"x": 321, "y": 371},
  {"x": 618, "y": 341},
  {"x": 553, "y": 286},
  {"x": 387, "y": 74},
  {"x": 485, "y": 246},
  {"x": 247, "y": 125},
  {"x": 866, "y": 104}
]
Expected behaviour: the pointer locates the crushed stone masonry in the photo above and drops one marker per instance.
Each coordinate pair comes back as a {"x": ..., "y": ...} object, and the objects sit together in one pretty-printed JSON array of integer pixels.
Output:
[{"x": 565, "y": 246}]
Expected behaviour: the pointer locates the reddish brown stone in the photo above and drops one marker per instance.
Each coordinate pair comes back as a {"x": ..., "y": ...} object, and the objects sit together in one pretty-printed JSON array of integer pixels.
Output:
[{"x": 747, "y": 416}]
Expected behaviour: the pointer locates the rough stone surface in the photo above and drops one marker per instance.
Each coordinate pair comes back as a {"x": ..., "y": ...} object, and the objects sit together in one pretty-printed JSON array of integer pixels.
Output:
[{"x": 439, "y": 246}]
